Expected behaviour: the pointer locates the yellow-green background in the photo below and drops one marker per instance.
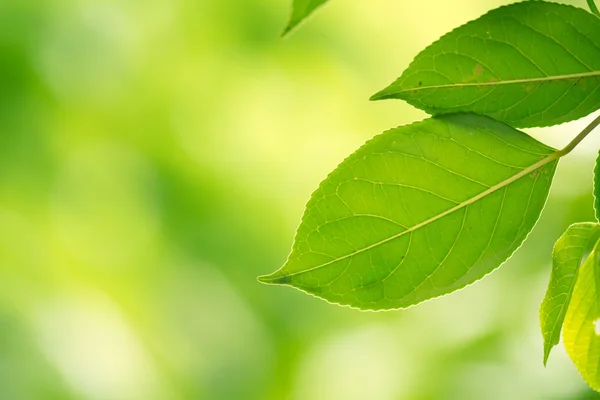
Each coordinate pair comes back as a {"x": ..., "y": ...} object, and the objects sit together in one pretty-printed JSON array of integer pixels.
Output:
[{"x": 155, "y": 157}]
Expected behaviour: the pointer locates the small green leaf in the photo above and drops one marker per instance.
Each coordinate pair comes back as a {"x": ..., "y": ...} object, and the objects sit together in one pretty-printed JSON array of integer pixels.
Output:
[
  {"x": 526, "y": 64},
  {"x": 581, "y": 327},
  {"x": 569, "y": 252},
  {"x": 300, "y": 10},
  {"x": 419, "y": 211}
]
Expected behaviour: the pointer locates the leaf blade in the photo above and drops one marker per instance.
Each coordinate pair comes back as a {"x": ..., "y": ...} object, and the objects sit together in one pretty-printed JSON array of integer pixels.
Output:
[
  {"x": 580, "y": 327},
  {"x": 405, "y": 188},
  {"x": 526, "y": 64},
  {"x": 569, "y": 252},
  {"x": 597, "y": 188}
]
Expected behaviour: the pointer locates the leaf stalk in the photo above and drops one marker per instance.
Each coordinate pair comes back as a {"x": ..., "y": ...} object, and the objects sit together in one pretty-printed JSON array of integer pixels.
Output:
[{"x": 586, "y": 131}]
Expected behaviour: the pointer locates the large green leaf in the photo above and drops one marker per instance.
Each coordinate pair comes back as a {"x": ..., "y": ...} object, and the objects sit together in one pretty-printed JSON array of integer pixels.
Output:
[
  {"x": 569, "y": 252},
  {"x": 581, "y": 327},
  {"x": 419, "y": 211},
  {"x": 300, "y": 10},
  {"x": 527, "y": 64}
]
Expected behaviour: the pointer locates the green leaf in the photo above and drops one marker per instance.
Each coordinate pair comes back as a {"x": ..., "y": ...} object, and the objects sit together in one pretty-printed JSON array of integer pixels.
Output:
[
  {"x": 526, "y": 64},
  {"x": 580, "y": 331},
  {"x": 300, "y": 10},
  {"x": 569, "y": 252},
  {"x": 419, "y": 211},
  {"x": 597, "y": 188}
]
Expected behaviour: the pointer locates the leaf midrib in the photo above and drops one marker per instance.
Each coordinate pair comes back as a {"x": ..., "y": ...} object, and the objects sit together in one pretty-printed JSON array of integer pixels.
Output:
[
  {"x": 499, "y": 83},
  {"x": 551, "y": 157}
]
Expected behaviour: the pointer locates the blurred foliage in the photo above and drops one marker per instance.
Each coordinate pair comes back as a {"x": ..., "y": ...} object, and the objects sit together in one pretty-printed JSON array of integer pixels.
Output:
[{"x": 155, "y": 158}]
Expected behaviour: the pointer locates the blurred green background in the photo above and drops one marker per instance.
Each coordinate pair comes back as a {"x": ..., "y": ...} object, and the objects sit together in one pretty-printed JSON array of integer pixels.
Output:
[{"x": 155, "y": 157}]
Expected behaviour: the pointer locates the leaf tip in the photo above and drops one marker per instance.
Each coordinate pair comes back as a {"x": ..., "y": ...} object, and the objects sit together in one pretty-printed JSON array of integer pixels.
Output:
[
  {"x": 288, "y": 29},
  {"x": 546, "y": 354},
  {"x": 274, "y": 279},
  {"x": 382, "y": 95}
]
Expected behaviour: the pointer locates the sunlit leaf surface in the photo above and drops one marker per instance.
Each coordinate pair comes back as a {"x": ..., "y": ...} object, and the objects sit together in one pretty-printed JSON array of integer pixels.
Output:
[
  {"x": 597, "y": 188},
  {"x": 569, "y": 252},
  {"x": 582, "y": 322},
  {"x": 527, "y": 64},
  {"x": 419, "y": 211}
]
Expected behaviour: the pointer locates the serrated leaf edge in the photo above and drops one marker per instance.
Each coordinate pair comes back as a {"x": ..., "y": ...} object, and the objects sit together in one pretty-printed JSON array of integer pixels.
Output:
[{"x": 592, "y": 239}]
